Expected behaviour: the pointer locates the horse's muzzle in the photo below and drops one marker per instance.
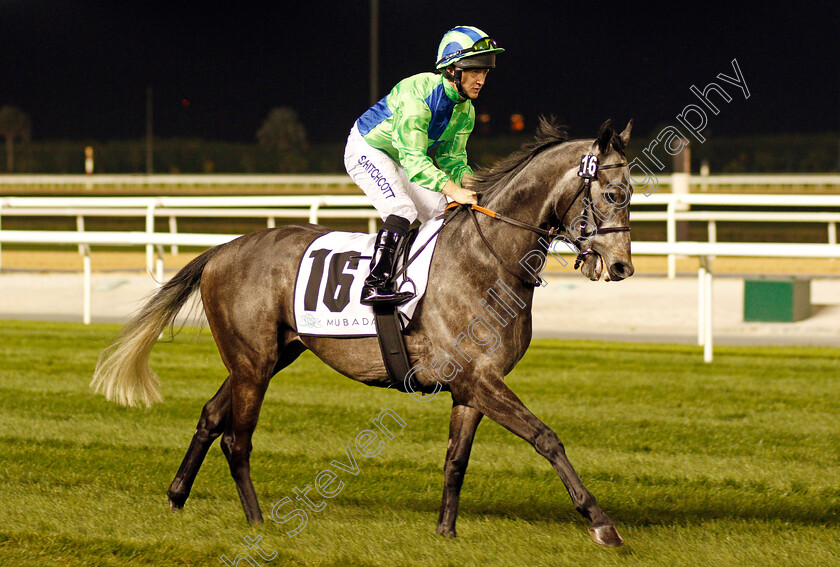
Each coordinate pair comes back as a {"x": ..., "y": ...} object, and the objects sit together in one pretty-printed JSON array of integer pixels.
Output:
[{"x": 619, "y": 271}]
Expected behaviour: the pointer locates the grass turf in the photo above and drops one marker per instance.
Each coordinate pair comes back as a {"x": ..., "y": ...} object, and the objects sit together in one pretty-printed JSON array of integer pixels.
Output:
[{"x": 733, "y": 463}]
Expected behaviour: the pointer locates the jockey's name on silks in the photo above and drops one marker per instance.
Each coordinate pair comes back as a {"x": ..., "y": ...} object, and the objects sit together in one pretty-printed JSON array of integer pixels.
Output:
[
  {"x": 420, "y": 113},
  {"x": 377, "y": 175},
  {"x": 330, "y": 279}
]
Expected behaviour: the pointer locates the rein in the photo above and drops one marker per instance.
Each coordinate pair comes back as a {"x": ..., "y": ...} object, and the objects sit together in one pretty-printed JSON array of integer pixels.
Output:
[
  {"x": 551, "y": 233},
  {"x": 526, "y": 280},
  {"x": 589, "y": 168}
]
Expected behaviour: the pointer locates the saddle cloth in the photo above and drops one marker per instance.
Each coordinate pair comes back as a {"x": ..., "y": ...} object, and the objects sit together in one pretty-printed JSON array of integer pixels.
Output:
[{"x": 330, "y": 279}]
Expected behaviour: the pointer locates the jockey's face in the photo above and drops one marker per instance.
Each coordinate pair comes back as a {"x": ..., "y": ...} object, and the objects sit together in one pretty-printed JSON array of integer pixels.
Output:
[{"x": 472, "y": 80}]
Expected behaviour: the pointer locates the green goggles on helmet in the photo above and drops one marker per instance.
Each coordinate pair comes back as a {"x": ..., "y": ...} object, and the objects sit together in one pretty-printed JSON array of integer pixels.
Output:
[{"x": 482, "y": 44}]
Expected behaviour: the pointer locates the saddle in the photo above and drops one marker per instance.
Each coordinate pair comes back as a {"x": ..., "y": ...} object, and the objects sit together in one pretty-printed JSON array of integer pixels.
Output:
[{"x": 329, "y": 285}]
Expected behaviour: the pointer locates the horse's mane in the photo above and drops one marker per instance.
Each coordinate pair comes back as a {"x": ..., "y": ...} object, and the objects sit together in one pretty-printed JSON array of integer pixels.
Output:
[{"x": 549, "y": 134}]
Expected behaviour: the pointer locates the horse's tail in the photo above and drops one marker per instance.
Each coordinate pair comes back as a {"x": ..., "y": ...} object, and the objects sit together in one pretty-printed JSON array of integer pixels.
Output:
[{"x": 122, "y": 372}]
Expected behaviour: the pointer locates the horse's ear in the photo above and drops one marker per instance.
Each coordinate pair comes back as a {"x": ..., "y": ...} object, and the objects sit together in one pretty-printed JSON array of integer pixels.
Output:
[
  {"x": 605, "y": 135},
  {"x": 625, "y": 135}
]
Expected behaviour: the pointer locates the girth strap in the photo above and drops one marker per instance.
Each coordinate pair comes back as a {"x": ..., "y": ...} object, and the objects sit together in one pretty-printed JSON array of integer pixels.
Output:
[{"x": 392, "y": 343}]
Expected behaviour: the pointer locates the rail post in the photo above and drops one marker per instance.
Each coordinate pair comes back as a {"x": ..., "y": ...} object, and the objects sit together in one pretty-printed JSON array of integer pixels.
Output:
[
  {"x": 159, "y": 266},
  {"x": 680, "y": 184},
  {"x": 85, "y": 248},
  {"x": 672, "y": 236},
  {"x": 313, "y": 212},
  {"x": 173, "y": 229},
  {"x": 80, "y": 226},
  {"x": 701, "y": 306},
  {"x": 712, "y": 232},
  {"x": 150, "y": 229},
  {"x": 707, "y": 304}
]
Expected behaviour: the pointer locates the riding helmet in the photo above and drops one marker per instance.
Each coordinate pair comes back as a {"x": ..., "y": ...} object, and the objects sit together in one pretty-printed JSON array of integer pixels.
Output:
[{"x": 467, "y": 47}]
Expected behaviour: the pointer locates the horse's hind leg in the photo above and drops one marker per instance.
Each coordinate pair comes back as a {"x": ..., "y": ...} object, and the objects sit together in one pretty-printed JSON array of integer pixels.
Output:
[
  {"x": 212, "y": 423},
  {"x": 462, "y": 425},
  {"x": 248, "y": 384},
  {"x": 247, "y": 393}
]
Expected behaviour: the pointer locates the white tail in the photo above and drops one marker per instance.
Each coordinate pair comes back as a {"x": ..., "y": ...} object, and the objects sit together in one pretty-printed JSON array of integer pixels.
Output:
[{"x": 122, "y": 372}]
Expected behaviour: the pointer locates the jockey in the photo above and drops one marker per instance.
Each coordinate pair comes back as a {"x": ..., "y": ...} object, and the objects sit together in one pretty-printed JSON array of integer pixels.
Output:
[{"x": 387, "y": 149}]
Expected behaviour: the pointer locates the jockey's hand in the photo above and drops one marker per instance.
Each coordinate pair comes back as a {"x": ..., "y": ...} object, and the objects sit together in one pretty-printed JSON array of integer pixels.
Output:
[{"x": 459, "y": 194}]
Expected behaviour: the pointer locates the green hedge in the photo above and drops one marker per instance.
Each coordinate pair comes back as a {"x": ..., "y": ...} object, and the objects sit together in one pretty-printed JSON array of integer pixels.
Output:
[{"x": 757, "y": 154}]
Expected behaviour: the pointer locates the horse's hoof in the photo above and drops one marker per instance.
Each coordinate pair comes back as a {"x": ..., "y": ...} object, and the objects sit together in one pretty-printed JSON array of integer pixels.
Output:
[
  {"x": 174, "y": 506},
  {"x": 447, "y": 533},
  {"x": 606, "y": 535},
  {"x": 255, "y": 520}
]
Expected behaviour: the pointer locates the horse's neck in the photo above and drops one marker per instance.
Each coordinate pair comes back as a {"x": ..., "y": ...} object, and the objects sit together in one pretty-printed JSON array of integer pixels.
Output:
[
  {"x": 527, "y": 196},
  {"x": 523, "y": 198},
  {"x": 530, "y": 196}
]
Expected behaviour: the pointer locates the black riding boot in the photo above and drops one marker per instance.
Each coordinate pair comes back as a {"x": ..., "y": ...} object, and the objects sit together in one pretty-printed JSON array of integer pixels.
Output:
[{"x": 379, "y": 288}]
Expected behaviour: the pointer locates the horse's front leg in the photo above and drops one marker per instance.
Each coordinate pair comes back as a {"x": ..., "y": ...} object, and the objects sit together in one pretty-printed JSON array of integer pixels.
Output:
[
  {"x": 462, "y": 425},
  {"x": 494, "y": 399}
]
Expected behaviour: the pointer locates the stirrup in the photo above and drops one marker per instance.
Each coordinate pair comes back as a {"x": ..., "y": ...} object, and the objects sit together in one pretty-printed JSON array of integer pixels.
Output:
[
  {"x": 373, "y": 295},
  {"x": 379, "y": 288}
]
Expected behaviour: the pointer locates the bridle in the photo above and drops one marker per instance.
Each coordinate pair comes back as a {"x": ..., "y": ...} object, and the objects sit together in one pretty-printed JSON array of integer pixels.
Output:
[{"x": 588, "y": 171}]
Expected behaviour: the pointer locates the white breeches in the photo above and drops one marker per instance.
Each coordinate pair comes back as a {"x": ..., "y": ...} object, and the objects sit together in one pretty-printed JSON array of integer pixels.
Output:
[{"x": 386, "y": 184}]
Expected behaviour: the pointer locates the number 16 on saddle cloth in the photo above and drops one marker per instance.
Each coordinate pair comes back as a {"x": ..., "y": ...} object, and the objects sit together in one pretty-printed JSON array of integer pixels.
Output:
[{"x": 330, "y": 279}]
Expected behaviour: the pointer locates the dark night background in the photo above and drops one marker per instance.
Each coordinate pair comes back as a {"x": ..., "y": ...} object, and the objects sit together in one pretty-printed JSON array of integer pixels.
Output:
[{"x": 80, "y": 69}]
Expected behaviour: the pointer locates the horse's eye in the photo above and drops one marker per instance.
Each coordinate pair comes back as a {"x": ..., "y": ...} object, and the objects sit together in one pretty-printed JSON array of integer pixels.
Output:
[{"x": 614, "y": 197}]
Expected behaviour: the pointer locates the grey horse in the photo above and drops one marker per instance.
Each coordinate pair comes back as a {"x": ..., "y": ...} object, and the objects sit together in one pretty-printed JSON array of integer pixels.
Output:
[{"x": 247, "y": 288}]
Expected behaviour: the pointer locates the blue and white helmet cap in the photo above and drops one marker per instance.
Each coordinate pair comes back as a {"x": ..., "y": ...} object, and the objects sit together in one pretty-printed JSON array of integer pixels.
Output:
[{"x": 468, "y": 48}]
